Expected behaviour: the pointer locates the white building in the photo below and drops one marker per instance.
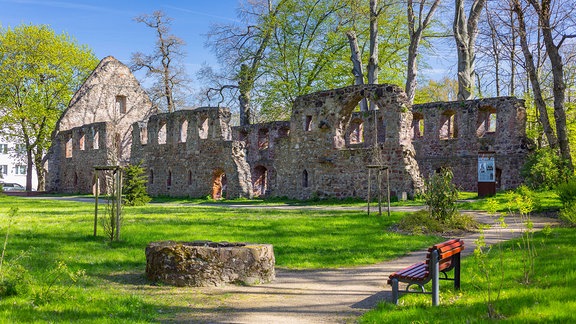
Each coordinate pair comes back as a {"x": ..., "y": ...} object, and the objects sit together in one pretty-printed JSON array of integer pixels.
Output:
[{"x": 13, "y": 163}]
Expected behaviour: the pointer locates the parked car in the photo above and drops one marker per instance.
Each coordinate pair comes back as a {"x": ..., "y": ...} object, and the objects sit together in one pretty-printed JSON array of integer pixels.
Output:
[{"x": 12, "y": 186}]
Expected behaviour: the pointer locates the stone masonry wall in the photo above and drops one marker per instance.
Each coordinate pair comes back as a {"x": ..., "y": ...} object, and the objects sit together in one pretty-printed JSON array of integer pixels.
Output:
[
  {"x": 330, "y": 146},
  {"x": 485, "y": 125},
  {"x": 190, "y": 153}
]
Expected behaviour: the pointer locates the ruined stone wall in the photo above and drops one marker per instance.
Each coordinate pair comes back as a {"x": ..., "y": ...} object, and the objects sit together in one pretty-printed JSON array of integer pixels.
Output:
[
  {"x": 330, "y": 146},
  {"x": 191, "y": 153},
  {"x": 74, "y": 154},
  {"x": 455, "y": 132},
  {"x": 110, "y": 100},
  {"x": 110, "y": 94},
  {"x": 261, "y": 142}
]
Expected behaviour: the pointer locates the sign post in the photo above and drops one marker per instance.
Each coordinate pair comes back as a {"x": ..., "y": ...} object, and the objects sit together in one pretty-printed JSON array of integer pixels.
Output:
[{"x": 486, "y": 174}]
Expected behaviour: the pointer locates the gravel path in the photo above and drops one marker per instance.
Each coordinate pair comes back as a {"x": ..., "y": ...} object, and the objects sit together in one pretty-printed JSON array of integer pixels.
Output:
[{"x": 328, "y": 296}]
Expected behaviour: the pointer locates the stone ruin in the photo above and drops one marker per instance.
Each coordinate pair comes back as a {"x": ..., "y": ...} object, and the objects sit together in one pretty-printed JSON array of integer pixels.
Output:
[
  {"x": 323, "y": 151},
  {"x": 205, "y": 263}
]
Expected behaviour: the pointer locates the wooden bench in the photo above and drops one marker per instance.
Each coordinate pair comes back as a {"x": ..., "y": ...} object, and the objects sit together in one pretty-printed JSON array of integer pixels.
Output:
[{"x": 441, "y": 258}]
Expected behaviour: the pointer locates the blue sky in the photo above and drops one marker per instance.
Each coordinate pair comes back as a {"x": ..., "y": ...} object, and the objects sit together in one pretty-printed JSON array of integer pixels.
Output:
[{"x": 108, "y": 26}]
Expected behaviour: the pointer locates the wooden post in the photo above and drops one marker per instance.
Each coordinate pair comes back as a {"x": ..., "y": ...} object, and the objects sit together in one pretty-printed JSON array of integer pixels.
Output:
[
  {"x": 96, "y": 193},
  {"x": 388, "y": 188},
  {"x": 118, "y": 201},
  {"x": 379, "y": 192},
  {"x": 369, "y": 188}
]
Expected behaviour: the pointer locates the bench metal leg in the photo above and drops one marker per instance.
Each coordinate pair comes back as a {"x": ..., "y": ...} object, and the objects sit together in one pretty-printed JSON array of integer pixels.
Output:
[
  {"x": 435, "y": 267},
  {"x": 456, "y": 260},
  {"x": 395, "y": 291}
]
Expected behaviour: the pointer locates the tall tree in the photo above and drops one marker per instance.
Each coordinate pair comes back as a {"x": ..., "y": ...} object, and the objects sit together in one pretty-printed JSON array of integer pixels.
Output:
[
  {"x": 531, "y": 70},
  {"x": 164, "y": 65},
  {"x": 544, "y": 11},
  {"x": 241, "y": 49},
  {"x": 417, "y": 23},
  {"x": 39, "y": 72},
  {"x": 465, "y": 33}
]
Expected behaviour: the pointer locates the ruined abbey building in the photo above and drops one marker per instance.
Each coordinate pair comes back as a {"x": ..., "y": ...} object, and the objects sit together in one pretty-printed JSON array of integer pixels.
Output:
[{"x": 323, "y": 151}]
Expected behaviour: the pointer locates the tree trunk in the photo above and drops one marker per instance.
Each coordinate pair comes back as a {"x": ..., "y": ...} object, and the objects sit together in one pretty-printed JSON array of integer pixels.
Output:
[
  {"x": 415, "y": 38},
  {"x": 535, "y": 83},
  {"x": 356, "y": 65},
  {"x": 245, "y": 84},
  {"x": 373, "y": 61},
  {"x": 465, "y": 32},
  {"x": 559, "y": 87},
  {"x": 29, "y": 168}
]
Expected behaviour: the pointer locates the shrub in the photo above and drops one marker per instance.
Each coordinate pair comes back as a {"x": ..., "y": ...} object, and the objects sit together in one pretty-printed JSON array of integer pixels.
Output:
[
  {"x": 567, "y": 191},
  {"x": 441, "y": 195},
  {"x": 568, "y": 213},
  {"x": 544, "y": 169},
  {"x": 134, "y": 187}
]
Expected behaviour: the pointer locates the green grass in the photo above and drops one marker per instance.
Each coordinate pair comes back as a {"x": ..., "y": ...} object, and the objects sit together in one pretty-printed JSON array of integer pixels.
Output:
[
  {"x": 544, "y": 201},
  {"x": 114, "y": 289},
  {"x": 549, "y": 298}
]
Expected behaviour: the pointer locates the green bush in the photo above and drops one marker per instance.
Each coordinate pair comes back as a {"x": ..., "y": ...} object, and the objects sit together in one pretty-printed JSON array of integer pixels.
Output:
[
  {"x": 134, "y": 187},
  {"x": 544, "y": 169},
  {"x": 420, "y": 222},
  {"x": 568, "y": 213},
  {"x": 567, "y": 191},
  {"x": 441, "y": 195}
]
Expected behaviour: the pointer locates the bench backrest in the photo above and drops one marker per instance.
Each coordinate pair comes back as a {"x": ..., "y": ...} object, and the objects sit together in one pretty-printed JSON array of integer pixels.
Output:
[{"x": 446, "y": 250}]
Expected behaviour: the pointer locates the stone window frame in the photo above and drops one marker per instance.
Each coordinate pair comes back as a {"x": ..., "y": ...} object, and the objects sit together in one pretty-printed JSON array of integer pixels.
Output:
[
  {"x": 96, "y": 140},
  {"x": 162, "y": 137},
  {"x": 260, "y": 179},
  {"x": 308, "y": 123},
  {"x": 121, "y": 103},
  {"x": 418, "y": 127},
  {"x": 68, "y": 148},
  {"x": 487, "y": 122},
  {"x": 203, "y": 128},
  {"x": 356, "y": 131},
  {"x": 82, "y": 142},
  {"x": 190, "y": 179},
  {"x": 305, "y": 179},
  {"x": 151, "y": 176},
  {"x": 448, "y": 125},
  {"x": 169, "y": 179},
  {"x": 183, "y": 136}
]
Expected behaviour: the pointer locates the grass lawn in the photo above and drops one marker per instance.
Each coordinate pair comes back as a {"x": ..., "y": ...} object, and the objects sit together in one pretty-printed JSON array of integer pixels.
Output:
[
  {"x": 50, "y": 246},
  {"x": 549, "y": 297}
]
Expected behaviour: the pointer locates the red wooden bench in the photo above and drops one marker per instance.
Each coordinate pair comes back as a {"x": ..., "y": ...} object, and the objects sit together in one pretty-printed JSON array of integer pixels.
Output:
[{"x": 441, "y": 258}]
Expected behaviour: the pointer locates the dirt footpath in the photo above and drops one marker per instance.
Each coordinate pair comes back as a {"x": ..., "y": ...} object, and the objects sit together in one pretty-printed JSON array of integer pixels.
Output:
[{"x": 327, "y": 296}]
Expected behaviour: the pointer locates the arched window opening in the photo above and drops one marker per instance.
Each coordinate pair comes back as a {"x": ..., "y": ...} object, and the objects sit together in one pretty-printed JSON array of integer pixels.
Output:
[
  {"x": 151, "y": 177},
  {"x": 189, "y": 177},
  {"x": 417, "y": 126},
  {"x": 203, "y": 129},
  {"x": 259, "y": 181},
  {"x": 162, "y": 133},
  {"x": 449, "y": 129},
  {"x": 263, "y": 139},
  {"x": 75, "y": 179},
  {"x": 183, "y": 131},
  {"x": 169, "y": 179},
  {"x": 305, "y": 179}
]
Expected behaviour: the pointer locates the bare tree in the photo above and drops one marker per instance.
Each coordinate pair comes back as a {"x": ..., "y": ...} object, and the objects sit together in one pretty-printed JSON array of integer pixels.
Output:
[
  {"x": 416, "y": 26},
  {"x": 544, "y": 12},
  {"x": 164, "y": 64},
  {"x": 373, "y": 61},
  {"x": 465, "y": 33},
  {"x": 356, "y": 58},
  {"x": 242, "y": 49},
  {"x": 531, "y": 70}
]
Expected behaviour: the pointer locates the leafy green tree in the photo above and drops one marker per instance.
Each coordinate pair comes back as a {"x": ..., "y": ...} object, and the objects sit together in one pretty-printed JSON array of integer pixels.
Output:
[
  {"x": 545, "y": 169},
  {"x": 134, "y": 187},
  {"x": 39, "y": 72}
]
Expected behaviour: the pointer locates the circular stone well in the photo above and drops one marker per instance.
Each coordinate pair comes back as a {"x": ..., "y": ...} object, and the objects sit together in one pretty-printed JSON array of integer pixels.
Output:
[{"x": 206, "y": 263}]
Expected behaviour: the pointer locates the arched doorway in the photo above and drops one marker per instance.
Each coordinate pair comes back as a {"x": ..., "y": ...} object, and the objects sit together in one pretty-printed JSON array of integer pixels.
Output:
[
  {"x": 218, "y": 183},
  {"x": 260, "y": 181}
]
